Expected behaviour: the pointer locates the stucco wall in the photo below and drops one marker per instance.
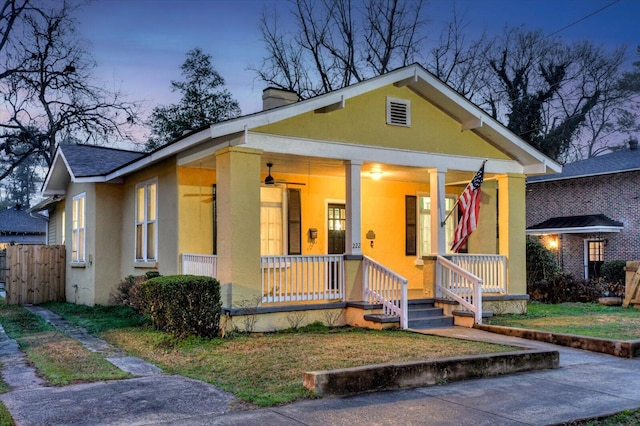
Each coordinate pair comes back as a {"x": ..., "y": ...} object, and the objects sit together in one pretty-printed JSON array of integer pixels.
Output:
[
  {"x": 108, "y": 235},
  {"x": 614, "y": 195}
]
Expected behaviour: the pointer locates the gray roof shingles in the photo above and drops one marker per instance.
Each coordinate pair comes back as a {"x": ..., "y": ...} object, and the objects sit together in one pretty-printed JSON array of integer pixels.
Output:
[
  {"x": 625, "y": 160},
  {"x": 15, "y": 221},
  {"x": 91, "y": 160}
]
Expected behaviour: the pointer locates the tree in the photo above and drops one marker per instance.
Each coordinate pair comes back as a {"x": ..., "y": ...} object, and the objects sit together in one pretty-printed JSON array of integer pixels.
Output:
[
  {"x": 337, "y": 44},
  {"x": 19, "y": 187},
  {"x": 47, "y": 87},
  {"x": 203, "y": 102},
  {"x": 561, "y": 98}
]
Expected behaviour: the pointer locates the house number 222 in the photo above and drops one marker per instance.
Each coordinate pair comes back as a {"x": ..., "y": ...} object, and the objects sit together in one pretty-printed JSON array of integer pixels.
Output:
[{"x": 356, "y": 245}]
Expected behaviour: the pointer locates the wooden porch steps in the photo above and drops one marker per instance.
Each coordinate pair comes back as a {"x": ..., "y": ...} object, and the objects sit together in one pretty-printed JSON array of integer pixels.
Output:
[{"x": 423, "y": 314}]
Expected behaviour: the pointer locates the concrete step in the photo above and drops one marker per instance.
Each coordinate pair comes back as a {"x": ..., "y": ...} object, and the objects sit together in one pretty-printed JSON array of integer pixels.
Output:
[
  {"x": 424, "y": 312},
  {"x": 411, "y": 302},
  {"x": 433, "y": 322}
]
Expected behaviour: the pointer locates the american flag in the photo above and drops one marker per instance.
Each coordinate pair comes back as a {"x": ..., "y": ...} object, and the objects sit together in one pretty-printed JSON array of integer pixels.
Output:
[{"x": 469, "y": 205}]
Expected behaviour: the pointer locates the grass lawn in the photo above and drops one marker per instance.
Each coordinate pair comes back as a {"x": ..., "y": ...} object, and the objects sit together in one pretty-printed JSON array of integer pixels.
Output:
[
  {"x": 267, "y": 369},
  {"x": 586, "y": 319}
]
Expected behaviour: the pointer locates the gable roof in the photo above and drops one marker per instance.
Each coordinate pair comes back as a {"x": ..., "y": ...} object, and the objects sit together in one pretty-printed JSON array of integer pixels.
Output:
[
  {"x": 15, "y": 221},
  {"x": 92, "y": 160},
  {"x": 527, "y": 159},
  {"x": 79, "y": 162},
  {"x": 576, "y": 224},
  {"x": 625, "y": 160}
]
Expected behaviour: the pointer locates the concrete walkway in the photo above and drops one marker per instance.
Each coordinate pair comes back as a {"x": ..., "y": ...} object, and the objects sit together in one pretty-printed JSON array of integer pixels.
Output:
[{"x": 586, "y": 385}]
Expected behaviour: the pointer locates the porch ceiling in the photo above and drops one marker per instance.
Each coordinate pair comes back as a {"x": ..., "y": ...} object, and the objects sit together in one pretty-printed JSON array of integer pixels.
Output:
[{"x": 284, "y": 164}]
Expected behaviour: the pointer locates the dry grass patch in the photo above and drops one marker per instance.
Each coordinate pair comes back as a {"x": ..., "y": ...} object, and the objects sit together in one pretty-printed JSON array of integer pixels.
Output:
[
  {"x": 57, "y": 358},
  {"x": 63, "y": 361},
  {"x": 268, "y": 369}
]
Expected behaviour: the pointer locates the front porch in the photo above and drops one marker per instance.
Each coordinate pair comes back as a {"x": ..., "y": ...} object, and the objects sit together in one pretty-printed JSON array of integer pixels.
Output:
[{"x": 357, "y": 290}]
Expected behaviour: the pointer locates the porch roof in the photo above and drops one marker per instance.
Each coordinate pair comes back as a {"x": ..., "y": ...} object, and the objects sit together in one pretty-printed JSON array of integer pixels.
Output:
[{"x": 592, "y": 223}]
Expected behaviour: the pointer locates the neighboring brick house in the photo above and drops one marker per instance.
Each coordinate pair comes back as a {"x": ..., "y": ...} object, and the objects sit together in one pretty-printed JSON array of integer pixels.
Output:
[{"x": 590, "y": 213}]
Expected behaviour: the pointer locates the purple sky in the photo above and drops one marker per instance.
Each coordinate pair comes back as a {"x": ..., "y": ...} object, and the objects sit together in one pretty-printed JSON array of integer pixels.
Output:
[{"x": 140, "y": 44}]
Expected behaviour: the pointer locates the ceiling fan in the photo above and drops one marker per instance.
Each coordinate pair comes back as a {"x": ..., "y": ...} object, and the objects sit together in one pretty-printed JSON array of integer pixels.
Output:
[{"x": 269, "y": 180}]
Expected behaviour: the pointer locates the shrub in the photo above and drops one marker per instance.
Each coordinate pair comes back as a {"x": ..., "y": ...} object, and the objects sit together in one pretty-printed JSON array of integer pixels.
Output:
[
  {"x": 541, "y": 262},
  {"x": 127, "y": 292},
  {"x": 613, "y": 272},
  {"x": 183, "y": 304},
  {"x": 563, "y": 288}
]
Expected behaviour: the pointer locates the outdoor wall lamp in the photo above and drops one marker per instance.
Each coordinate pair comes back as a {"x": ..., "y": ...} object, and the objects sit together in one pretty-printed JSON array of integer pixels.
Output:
[{"x": 371, "y": 236}]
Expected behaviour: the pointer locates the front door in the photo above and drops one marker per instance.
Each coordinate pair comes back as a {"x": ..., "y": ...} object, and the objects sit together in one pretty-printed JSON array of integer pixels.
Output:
[
  {"x": 337, "y": 223},
  {"x": 594, "y": 258},
  {"x": 337, "y": 217}
]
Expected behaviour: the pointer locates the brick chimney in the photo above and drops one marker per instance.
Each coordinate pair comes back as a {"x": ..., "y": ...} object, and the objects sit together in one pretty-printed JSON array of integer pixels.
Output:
[
  {"x": 273, "y": 98},
  {"x": 633, "y": 144}
]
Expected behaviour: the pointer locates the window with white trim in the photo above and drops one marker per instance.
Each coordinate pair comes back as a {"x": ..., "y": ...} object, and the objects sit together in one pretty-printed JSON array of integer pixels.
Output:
[
  {"x": 146, "y": 243},
  {"x": 398, "y": 112},
  {"x": 63, "y": 233},
  {"x": 271, "y": 221},
  {"x": 424, "y": 223},
  {"x": 78, "y": 237}
]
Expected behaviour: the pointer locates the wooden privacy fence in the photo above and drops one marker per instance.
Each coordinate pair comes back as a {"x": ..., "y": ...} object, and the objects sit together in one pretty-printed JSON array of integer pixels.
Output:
[{"x": 35, "y": 274}]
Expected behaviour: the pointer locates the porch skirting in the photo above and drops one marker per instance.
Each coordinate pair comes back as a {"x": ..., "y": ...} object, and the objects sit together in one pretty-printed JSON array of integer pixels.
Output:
[{"x": 283, "y": 308}]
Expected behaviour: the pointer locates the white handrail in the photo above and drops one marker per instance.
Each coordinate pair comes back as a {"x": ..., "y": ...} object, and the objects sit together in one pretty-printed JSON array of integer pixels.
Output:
[
  {"x": 492, "y": 268},
  {"x": 382, "y": 285},
  {"x": 302, "y": 278},
  {"x": 461, "y": 285}
]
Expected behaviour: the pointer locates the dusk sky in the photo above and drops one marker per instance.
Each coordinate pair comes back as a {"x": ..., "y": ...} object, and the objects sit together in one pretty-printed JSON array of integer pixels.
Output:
[{"x": 140, "y": 44}]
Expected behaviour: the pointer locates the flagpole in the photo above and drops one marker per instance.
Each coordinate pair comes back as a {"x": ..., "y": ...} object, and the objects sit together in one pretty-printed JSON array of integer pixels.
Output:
[{"x": 458, "y": 201}]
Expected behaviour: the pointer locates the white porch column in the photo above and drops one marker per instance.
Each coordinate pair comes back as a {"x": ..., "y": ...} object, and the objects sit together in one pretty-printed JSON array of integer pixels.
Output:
[
  {"x": 353, "y": 236},
  {"x": 438, "y": 211}
]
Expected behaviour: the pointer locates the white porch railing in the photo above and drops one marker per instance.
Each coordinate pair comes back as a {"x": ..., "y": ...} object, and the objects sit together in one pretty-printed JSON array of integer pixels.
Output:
[
  {"x": 491, "y": 268},
  {"x": 454, "y": 282},
  {"x": 199, "y": 264},
  {"x": 302, "y": 278},
  {"x": 381, "y": 285}
]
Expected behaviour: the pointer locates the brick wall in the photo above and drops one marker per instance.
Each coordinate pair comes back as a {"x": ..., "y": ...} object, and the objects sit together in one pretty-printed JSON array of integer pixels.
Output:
[{"x": 615, "y": 195}]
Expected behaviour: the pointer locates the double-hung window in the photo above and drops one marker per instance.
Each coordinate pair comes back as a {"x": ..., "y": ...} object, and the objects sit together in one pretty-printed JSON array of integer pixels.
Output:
[
  {"x": 78, "y": 229},
  {"x": 271, "y": 221},
  {"x": 146, "y": 221},
  {"x": 424, "y": 214}
]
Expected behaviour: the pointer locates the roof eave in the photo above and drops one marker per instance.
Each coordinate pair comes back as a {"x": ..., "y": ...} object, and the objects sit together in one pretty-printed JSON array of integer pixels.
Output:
[{"x": 576, "y": 230}]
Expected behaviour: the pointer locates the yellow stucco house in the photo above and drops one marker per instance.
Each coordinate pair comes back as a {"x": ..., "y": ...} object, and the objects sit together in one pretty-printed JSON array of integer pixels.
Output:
[{"x": 334, "y": 208}]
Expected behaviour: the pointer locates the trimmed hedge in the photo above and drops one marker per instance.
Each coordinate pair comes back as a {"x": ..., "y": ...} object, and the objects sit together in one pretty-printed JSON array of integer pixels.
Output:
[{"x": 183, "y": 304}]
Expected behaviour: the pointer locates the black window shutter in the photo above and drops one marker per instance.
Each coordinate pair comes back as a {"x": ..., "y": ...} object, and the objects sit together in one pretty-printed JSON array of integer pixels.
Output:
[
  {"x": 411, "y": 221},
  {"x": 294, "y": 215}
]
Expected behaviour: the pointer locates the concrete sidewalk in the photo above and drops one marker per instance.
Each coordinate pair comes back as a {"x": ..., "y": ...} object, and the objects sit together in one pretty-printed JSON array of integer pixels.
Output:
[{"x": 586, "y": 385}]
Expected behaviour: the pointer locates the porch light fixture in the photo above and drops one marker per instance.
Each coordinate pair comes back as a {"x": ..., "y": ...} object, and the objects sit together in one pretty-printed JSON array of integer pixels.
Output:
[
  {"x": 553, "y": 243},
  {"x": 375, "y": 173},
  {"x": 269, "y": 180}
]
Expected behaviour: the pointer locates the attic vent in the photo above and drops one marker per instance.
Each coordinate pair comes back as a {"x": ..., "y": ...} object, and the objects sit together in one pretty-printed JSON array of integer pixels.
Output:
[{"x": 398, "y": 112}]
